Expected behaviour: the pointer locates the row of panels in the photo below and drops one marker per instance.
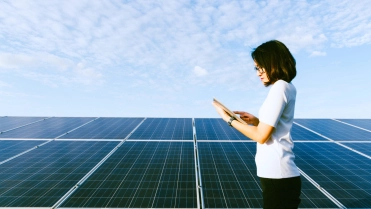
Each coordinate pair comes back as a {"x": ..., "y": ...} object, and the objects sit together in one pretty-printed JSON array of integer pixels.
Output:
[
  {"x": 171, "y": 128},
  {"x": 145, "y": 174}
]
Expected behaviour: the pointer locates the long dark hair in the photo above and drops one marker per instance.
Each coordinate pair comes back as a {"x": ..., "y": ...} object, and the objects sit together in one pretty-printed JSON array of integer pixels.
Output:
[{"x": 277, "y": 61}]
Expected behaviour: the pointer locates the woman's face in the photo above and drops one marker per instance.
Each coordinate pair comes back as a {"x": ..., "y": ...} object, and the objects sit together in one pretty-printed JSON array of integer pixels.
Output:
[{"x": 261, "y": 73}]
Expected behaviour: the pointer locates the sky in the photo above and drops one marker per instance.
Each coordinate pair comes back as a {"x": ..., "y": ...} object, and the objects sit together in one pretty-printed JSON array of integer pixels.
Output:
[{"x": 119, "y": 58}]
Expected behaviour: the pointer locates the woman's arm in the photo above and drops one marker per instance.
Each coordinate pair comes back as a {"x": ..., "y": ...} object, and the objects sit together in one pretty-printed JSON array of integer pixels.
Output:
[{"x": 260, "y": 133}]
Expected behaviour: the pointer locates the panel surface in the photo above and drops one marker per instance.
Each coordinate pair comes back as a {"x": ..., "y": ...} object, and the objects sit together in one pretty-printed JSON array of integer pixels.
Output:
[
  {"x": 229, "y": 178},
  {"x": 142, "y": 175},
  {"x": 41, "y": 177},
  {"x": 165, "y": 128},
  {"x": 216, "y": 129},
  {"x": 299, "y": 133},
  {"x": 335, "y": 130},
  {"x": 105, "y": 128},
  {"x": 50, "y": 128},
  {"x": 10, "y": 148},
  {"x": 364, "y": 147},
  {"x": 363, "y": 123},
  {"x": 7, "y": 123},
  {"x": 346, "y": 175}
]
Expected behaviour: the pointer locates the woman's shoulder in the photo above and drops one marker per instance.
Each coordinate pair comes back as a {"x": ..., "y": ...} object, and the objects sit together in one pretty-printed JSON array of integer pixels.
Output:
[{"x": 284, "y": 86}]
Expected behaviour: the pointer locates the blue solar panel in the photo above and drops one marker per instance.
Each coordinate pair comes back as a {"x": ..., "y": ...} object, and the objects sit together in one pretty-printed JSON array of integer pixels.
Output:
[
  {"x": 335, "y": 130},
  {"x": 10, "y": 148},
  {"x": 105, "y": 128},
  {"x": 41, "y": 177},
  {"x": 142, "y": 175},
  {"x": 165, "y": 129},
  {"x": 299, "y": 133},
  {"x": 345, "y": 174},
  {"x": 216, "y": 129},
  {"x": 7, "y": 123},
  {"x": 363, "y": 123},
  {"x": 50, "y": 128},
  {"x": 364, "y": 148},
  {"x": 229, "y": 178}
]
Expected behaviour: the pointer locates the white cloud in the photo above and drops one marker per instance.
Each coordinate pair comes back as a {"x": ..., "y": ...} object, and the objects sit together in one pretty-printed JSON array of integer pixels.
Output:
[
  {"x": 198, "y": 71},
  {"x": 318, "y": 53}
]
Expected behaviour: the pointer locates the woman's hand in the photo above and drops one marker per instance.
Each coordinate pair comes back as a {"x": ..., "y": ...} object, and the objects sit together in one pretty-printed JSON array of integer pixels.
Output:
[
  {"x": 225, "y": 116},
  {"x": 248, "y": 118}
]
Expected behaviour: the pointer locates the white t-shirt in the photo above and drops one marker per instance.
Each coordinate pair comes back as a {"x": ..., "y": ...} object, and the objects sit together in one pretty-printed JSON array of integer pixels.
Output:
[{"x": 275, "y": 158}]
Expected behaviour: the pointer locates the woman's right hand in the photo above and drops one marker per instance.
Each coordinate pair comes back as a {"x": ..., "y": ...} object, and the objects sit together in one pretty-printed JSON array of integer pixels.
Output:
[{"x": 248, "y": 118}]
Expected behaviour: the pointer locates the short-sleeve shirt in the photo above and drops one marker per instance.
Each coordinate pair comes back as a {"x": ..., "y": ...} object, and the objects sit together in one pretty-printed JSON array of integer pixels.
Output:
[{"x": 275, "y": 158}]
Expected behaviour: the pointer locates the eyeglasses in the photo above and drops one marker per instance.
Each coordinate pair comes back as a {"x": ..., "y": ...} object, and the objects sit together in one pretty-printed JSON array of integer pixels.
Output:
[{"x": 261, "y": 70}]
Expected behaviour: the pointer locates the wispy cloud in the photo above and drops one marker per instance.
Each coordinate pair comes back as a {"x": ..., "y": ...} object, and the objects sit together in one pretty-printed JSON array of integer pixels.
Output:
[{"x": 159, "y": 43}]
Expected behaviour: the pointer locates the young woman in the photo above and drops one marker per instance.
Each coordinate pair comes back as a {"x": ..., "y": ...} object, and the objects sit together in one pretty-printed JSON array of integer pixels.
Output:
[{"x": 279, "y": 176}]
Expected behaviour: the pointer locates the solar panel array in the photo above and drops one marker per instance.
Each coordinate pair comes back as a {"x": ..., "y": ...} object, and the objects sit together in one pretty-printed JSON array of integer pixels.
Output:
[{"x": 71, "y": 162}]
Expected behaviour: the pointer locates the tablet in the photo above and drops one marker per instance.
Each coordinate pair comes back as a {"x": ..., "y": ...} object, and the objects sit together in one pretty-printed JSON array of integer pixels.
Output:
[{"x": 228, "y": 111}]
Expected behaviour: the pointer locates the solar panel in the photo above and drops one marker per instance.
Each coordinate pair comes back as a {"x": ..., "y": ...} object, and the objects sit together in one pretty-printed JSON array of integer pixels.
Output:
[
  {"x": 346, "y": 175},
  {"x": 8, "y": 123},
  {"x": 142, "y": 175},
  {"x": 50, "y": 128},
  {"x": 299, "y": 133},
  {"x": 105, "y": 128},
  {"x": 158, "y": 166},
  {"x": 334, "y": 129},
  {"x": 229, "y": 178},
  {"x": 216, "y": 129},
  {"x": 10, "y": 148},
  {"x": 40, "y": 177},
  {"x": 165, "y": 129},
  {"x": 363, "y": 123},
  {"x": 364, "y": 147}
]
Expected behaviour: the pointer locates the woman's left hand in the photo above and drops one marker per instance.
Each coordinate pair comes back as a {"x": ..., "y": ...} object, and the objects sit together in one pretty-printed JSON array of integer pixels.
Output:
[{"x": 225, "y": 116}]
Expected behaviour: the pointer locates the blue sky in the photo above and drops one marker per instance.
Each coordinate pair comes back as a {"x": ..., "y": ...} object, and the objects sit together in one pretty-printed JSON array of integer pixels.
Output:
[{"x": 170, "y": 58}]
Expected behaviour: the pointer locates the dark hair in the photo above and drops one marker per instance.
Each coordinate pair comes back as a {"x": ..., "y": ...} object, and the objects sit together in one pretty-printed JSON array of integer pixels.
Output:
[{"x": 277, "y": 61}]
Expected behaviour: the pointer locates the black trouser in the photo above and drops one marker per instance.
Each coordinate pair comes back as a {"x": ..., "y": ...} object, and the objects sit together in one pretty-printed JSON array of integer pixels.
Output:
[{"x": 281, "y": 193}]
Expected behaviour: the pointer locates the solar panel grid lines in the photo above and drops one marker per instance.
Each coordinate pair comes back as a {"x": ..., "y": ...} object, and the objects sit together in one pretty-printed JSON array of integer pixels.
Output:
[
  {"x": 221, "y": 184},
  {"x": 300, "y": 133},
  {"x": 216, "y": 129},
  {"x": 339, "y": 143},
  {"x": 39, "y": 178},
  {"x": 76, "y": 128},
  {"x": 165, "y": 129},
  {"x": 313, "y": 131},
  {"x": 342, "y": 173},
  {"x": 363, "y": 123},
  {"x": 50, "y": 129},
  {"x": 105, "y": 128},
  {"x": 333, "y": 199},
  {"x": 351, "y": 125},
  {"x": 74, "y": 188},
  {"x": 136, "y": 172},
  {"x": 335, "y": 130},
  {"x": 24, "y": 152},
  {"x": 17, "y": 125}
]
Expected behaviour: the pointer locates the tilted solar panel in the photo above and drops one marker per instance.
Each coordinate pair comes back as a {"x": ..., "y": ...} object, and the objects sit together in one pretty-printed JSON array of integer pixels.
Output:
[
  {"x": 105, "y": 128},
  {"x": 50, "y": 128},
  {"x": 142, "y": 175},
  {"x": 165, "y": 129},
  {"x": 345, "y": 174},
  {"x": 11, "y": 148},
  {"x": 8, "y": 123},
  {"x": 335, "y": 130},
  {"x": 41, "y": 177},
  {"x": 216, "y": 129},
  {"x": 363, "y": 123},
  {"x": 300, "y": 133},
  {"x": 229, "y": 178}
]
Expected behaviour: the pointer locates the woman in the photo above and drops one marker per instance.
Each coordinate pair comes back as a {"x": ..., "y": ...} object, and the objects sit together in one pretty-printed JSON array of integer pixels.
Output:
[{"x": 279, "y": 176}]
